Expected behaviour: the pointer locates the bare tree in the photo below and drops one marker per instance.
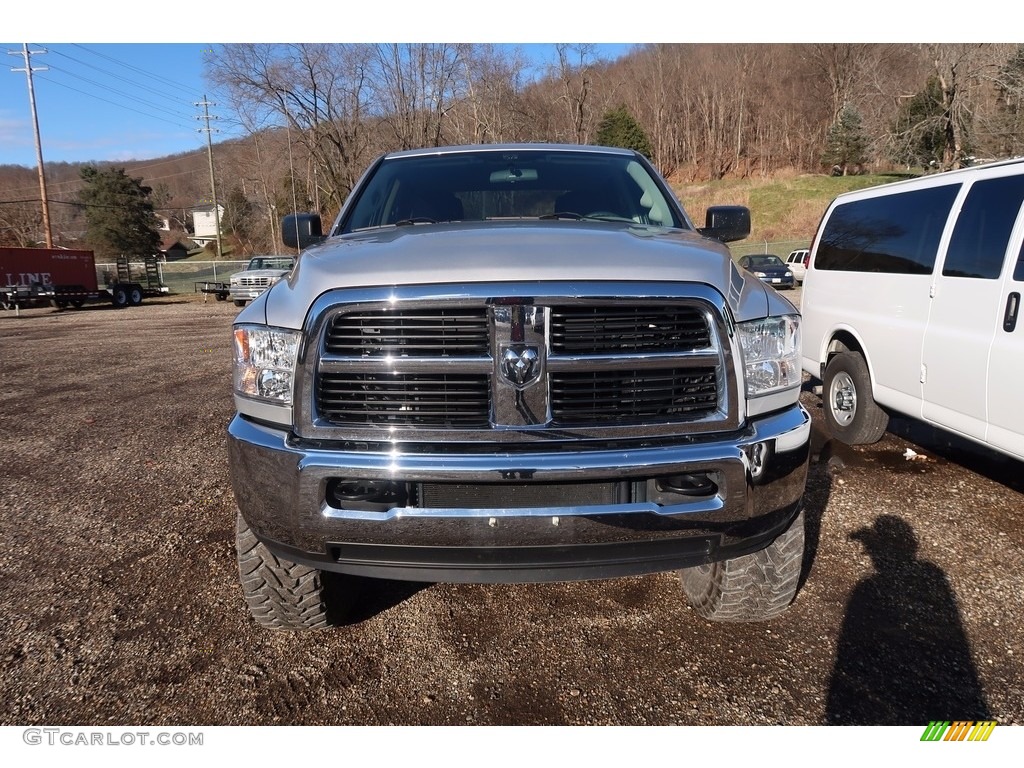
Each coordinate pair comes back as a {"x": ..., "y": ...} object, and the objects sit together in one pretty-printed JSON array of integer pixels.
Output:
[
  {"x": 575, "y": 63},
  {"x": 320, "y": 91},
  {"x": 415, "y": 87}
]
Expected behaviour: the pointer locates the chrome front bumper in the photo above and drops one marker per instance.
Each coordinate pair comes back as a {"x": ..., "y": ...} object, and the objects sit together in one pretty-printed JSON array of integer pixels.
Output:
[{"x": 281, "y": 485}]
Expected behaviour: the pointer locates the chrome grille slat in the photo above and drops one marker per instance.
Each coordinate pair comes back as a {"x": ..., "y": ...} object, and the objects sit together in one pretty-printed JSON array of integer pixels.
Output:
[
  {"x": 624, "y": 396},
  {"x": 437, "y": 401},
  {"x": 603, "y": 329},
  {"x": 441, "y": 332}
]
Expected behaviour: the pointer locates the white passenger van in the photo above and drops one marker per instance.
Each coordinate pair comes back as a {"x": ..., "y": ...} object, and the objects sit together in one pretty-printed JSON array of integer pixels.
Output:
[{"x": 911, "y": 304}]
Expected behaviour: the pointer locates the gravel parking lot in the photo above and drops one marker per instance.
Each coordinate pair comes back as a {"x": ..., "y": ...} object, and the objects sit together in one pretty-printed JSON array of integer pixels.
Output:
[{"x": 122, "y": 605}]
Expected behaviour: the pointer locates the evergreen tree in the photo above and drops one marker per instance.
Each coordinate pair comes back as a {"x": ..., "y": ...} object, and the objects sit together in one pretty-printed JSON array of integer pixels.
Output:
[
  {"x": 846, "y": 144},
  {"x": 119, "y": 215},
  {"x": 618, "y": 129}
]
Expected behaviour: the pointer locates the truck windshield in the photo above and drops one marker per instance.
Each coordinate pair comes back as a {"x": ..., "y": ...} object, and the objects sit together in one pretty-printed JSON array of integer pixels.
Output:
[{"x": 485, "y": 185}]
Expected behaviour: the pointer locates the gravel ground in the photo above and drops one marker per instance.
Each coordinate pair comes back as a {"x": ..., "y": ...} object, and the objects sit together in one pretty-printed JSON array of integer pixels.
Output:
[{"x": 122, "y": 606}]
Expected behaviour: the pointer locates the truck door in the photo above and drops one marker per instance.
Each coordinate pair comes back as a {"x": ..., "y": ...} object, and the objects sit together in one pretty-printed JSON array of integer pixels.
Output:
[
  {"x": 1006, "y": 364},
  {"x": 967, "y": 307}
]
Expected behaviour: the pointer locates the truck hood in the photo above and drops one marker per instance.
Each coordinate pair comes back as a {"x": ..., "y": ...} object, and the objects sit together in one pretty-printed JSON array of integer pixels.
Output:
[{"x": 494, "y": 252}]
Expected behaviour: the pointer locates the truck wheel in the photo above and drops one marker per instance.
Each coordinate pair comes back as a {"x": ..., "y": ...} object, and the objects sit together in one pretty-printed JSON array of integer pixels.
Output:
[
  {"x": 239, "y": 303},
  {"x": 752, "y": 587},
  {"x": 119, "y": 297},
  {"x": 280, "y": 594},
  {"x": 134, "y": 296},
  {"x": 851, "y": 413}
]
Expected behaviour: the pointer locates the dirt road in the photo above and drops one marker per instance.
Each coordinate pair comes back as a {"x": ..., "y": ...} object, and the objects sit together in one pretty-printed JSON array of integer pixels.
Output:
[{"x": 121, "y": 602}]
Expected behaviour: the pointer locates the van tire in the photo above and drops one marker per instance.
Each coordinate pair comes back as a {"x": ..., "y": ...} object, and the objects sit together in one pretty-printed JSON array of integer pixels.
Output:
[
  {"x": 851, "y": 413},
  {"x": 753, "y": 587}
]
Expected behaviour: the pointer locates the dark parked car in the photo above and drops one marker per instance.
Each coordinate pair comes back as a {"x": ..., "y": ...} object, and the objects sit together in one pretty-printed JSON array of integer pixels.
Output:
[{"x": 770, "y": 269}]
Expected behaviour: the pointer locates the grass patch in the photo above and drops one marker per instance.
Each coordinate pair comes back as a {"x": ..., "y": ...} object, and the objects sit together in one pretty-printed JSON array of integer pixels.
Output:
[{"x": 782, "y": 209}]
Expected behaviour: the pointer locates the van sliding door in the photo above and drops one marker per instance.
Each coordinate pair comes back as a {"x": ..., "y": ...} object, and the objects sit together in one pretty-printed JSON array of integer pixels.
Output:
[{"x": 967, "y": 307}]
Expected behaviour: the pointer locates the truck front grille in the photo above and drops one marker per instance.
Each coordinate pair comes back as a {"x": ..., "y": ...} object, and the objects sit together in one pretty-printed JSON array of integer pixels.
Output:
[
  {"x": 254, "y": 282},
  {"x": 520, "y": 369}
]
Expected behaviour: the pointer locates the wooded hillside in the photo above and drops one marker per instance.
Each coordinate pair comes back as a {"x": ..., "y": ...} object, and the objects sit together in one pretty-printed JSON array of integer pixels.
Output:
[{"x": 316, "y": 115}]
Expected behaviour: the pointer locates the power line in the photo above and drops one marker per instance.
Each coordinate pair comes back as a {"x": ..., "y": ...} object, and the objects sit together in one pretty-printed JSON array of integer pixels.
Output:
[
  {"x": 114, "y": 90},
  {"x": 133, "y": 67},
  {"x": 108, "y": 101}
]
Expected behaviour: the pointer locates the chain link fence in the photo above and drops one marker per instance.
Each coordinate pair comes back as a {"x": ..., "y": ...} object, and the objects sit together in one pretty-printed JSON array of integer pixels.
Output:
[
  {"x": 781, "y": 248},
  {"x": 182, "y": 276}
]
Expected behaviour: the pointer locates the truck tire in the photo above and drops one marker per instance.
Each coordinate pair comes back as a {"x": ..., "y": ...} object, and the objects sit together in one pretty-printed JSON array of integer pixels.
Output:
[
  {"x": 119, "y": 297},
  {"x": 134, "y": 295},
  {"x": 280, "y": 594},
  {"x": 851, "y": 413},
  {"x": 752, "y": 587}
]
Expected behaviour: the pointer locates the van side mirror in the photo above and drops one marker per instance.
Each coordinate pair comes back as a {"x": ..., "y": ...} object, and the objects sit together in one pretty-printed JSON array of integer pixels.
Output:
[
  {"x": 300, "y": 230},
  {"x": 726, "y": 223}
]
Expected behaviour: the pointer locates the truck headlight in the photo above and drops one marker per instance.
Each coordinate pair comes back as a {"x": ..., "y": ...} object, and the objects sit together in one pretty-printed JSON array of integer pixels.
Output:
[
  {"x": 771, "y": 354},
  {"x": 265, "y": 362}
]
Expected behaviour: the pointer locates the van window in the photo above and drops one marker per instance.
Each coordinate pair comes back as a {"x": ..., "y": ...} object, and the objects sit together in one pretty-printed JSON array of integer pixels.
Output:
[
  {"x": 982, "y": 232},
  {"x": 896, "y": 233}
]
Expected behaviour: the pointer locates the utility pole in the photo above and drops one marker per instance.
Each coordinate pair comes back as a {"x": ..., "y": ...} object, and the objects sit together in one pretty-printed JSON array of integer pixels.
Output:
[
  {"x": 209, "y": 153},
  {"x": 27, "y": 54}
]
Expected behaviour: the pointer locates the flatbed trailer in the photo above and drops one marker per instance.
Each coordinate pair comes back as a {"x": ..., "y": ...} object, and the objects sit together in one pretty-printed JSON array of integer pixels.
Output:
[{"x": 218, "y": 289}]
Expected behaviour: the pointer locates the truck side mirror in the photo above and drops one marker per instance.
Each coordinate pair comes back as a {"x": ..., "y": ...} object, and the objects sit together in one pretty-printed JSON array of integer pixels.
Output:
[
  {"x": 300, "y": 230},
  {"x": 726, "y": 223}
]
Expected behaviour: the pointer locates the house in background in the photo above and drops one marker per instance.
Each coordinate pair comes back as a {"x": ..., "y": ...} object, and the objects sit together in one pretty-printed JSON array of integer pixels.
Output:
[
  {"x": 174, "y": 246},
  {"x": 204, "y": 224}
]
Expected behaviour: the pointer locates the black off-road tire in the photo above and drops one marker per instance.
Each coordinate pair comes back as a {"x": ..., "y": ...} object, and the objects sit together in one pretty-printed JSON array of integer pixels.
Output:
[
  {"x": 280, "y": 594},
  {"x": 753, "y": 587},
  {"x": 851, "y": 413}
]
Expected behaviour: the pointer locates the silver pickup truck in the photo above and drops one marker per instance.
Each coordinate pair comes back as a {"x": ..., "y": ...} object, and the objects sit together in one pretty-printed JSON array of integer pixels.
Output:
[{"x": 513, "y": 363}]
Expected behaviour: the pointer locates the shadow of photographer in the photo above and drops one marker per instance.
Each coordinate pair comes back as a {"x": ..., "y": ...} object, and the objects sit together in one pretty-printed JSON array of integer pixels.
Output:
[{"x": 903, "y": 657}]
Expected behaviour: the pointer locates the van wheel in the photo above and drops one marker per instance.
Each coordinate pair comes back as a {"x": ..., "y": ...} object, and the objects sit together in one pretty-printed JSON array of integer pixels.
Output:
[
  {"x": 752, "y": 587},
  {"x": 851, "y": 413},
  {"x": 280, "y": 594}
]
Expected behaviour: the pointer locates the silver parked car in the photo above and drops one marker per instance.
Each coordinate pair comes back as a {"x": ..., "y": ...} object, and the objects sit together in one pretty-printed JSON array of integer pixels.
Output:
[{"x": 512, "y": 363}]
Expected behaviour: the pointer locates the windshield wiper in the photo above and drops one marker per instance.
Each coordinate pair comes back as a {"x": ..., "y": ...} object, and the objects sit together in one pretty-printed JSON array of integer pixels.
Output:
[
  {"x": 415, "y": 220},
  {"x": 561, "y": 215}
]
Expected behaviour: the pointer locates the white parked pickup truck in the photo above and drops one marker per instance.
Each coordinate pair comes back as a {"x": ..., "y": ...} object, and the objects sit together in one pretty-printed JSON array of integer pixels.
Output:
[{"x": 259, "y": 274}]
